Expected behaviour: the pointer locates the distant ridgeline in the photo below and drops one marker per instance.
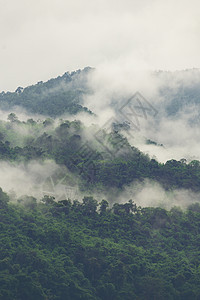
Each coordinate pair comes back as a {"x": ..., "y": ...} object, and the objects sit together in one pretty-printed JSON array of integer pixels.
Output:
[
  {"x": 54, "y": 97},
  {"x": 179, "y": 90}
]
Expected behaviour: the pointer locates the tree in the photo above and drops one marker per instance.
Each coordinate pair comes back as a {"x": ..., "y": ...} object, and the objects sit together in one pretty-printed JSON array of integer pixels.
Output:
[
  {"x": 103, "y": 206},
  {"x": 89, "y": 205},
  {"x": 48, "y": 200},
  {"x": 12, "y": 117},
  {"x": 3, "y": 199}
]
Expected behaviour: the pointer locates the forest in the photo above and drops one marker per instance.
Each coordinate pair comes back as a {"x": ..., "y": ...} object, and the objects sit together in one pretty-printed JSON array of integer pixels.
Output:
[
  {"x": 117, "y": 164},
  {"x": 68, "y": 247},
  {"x": 88, "y": 250}
]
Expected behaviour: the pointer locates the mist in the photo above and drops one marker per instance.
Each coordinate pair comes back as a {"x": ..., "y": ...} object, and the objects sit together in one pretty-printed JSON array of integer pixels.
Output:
[
  {"x": 151, "y": 194},
  {"x": 22, "y": 114},
  {"x": 111, "y": 86},
  {"x": 147, "y": 193},
  {"x": 38, "y": 179},
  {"x": 173, "y": 96}
]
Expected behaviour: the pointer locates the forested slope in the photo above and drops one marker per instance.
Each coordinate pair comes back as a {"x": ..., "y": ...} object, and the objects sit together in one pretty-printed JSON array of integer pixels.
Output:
[
  {"x": 70, "y": 251},
  {"x": 97, "y": 164},
  {"x": 52, "y": 98},
  {"x": 60, "y": 249}
]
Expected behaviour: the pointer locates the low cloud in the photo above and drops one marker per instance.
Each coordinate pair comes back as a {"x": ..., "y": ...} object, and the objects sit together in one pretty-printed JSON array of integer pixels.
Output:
[
  {"x": 151, "y": 194},
  {"x": 173, "y": 95},
  {"x": 38, "y": 179}
]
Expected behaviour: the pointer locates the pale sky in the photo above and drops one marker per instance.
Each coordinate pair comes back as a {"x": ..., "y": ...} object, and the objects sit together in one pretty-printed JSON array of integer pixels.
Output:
[{"x": 40, "y": 39}]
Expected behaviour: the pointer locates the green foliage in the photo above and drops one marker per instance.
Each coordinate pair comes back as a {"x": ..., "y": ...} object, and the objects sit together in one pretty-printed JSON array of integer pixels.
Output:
[
  {"x": 64, "y": 143},
  {"x": 67, "y": 250},
  {"x": 3, "y": 199},
  {"x": 89, "y": 250},
  {"x": 53, "y": 98}
]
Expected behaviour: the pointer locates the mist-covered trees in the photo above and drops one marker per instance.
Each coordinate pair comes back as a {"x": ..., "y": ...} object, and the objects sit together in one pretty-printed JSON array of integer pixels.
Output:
[
  {"x": 53, "y": 98},
  {"x": 60, "y": 250},
  {"x": 66, "y": 143}
]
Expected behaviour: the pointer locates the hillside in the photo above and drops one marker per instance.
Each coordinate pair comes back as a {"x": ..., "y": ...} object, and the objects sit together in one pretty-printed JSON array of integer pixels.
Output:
[
  {"x": 84, "y": 212},
  {"x": 70, "y": 251},
  {"x": 53, "y": 98}
]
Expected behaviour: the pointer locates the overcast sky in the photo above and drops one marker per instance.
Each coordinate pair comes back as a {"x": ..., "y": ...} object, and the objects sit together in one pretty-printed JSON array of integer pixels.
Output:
[{"x": 40, "y": 39}]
